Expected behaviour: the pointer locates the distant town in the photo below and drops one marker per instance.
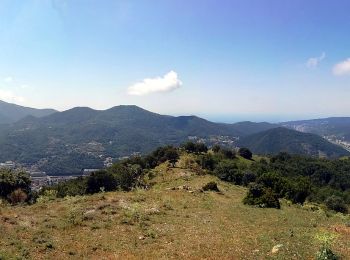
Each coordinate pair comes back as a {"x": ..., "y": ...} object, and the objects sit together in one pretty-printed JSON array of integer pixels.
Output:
[{"x": 40, "y": 179}]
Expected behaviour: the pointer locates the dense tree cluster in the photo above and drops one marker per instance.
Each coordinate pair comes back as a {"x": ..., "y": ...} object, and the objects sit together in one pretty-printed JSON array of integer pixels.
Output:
[
  {"x": 124, "y": 175},
  {"x": 245, "y": 153},
  {"x": 14, "y": 186},
  {"x": 296, "y": 178},
  {"x": 197, "y": 148}
]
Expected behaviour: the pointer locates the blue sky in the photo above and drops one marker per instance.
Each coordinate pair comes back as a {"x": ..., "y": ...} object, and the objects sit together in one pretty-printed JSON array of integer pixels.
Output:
[{"x": 224, "y": 60}]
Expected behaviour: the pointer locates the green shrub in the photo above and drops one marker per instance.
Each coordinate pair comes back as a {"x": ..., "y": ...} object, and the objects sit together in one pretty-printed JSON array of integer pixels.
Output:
[
  {"x": 216, "y": 148},
  {"x": 207, "y": 161},
  {"x": 211, "y": 186},
  {"x": 47, "y": 195},
  {"x": 13, "y": 180},
  {"x": 248, "y": 177},
  {"x": 326, "y": 254},
  {"x": 245, "y": 153},
  {"x": 261, "y": 196},
  {"x": 228, "y": 154},
  {"x": 336, "y": 203},
  {"x": 127, "y": 176},
  {"x": 192, "y": 147},
  {"x": 228, "y": 171},
  {"x": 101, "y": 179},
  {"x": 18, "y": 196}
]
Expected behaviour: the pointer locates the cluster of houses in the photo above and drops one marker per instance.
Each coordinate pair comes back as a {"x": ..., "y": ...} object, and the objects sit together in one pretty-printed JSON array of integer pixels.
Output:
[
  {"x": 334, "y": 139},
  {"x": 8, "y": 165},
  {"x": 40, "y": 179},
  {"x": 226, "y": 141}
]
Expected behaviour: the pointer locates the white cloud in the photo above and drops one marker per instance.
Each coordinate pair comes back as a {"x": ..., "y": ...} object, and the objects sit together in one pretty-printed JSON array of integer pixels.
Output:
[
  {"x": 9, "y": 96},
  {"x": 167, "y": 83},
  {"x": 313, "y": 62},
  {"x": 8, "y": 79},
  {"x": 342, "y": 68}
]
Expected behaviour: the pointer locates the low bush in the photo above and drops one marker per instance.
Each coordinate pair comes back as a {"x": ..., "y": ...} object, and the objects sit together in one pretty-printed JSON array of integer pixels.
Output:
[
  {"x": 336, "y": 203},
  {"x": 18, "y": 196},
  {"x": 261, "y": 196},
  {"x": 211, "y": 186},
  {"x": 245, "y": 153},
  {"x": 326, "y": 253},
  {"x": 11, "y": 181},
  {"x": 228, "y": 171}
]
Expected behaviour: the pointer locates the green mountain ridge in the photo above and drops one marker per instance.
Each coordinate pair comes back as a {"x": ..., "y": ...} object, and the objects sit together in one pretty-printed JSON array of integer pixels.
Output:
[
  {"x": 81, "y": 136},
  {"x": 283, "y": 139},
  {"x": 334, "y": 127},
  {"x": 10, "y": 113}
]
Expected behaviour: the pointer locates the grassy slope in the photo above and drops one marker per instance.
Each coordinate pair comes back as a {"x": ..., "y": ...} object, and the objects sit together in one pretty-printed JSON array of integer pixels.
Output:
[{"x": 165, "y": 223}]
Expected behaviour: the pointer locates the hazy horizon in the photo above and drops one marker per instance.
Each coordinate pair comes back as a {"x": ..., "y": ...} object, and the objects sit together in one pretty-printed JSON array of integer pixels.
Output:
[
  {"x": 235, "y": 60},
  {"x": 222, "y": 118}
]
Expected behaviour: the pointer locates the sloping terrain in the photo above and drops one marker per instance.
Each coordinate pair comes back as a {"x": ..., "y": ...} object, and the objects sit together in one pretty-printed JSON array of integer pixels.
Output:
[
  {"x": 282, "y": 139},
  {"x": 173, "y": 219},
  {"x": 10, "y": 113},
  {"x": 80, "y": 137},
  {"x": 339, "y": 127}
]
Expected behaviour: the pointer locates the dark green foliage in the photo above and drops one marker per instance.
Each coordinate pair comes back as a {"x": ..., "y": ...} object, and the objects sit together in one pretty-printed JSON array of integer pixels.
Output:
[
  {"x": 299, "y": 190},
  {"x": 207, "y": 161},
  {"x": 163, "y": 154},
  {"x": 71, "y": 164},
  {"x": 227, "y": 153},
  {"x": 211, "y": 186},
  {"x": 282, "y": 139},
  {"x": 62, "y": 141},
  {"x": 189, "y": 147},
  {"x": 261, "y": 196},
  {"x": 126, "y": 176},
  {"x": 101, "y": 180},
  {"x": 228, "y": 171},
  {"x": 336, "y": 203},
  {"x": 248, "y": 177},
  {"x": 295, "y": 189},
  {"x": 172, "y": 156},
  {"x": 13, "y": 180},
  {"x": 216, "y": 148},
  {"x": 275, "y": 182},
  {"x": 192, "y": 147},
  {"x": 326, "y": 254},
  {"x": 74, "y": 187},
  {"x": 245, "y": 153}
]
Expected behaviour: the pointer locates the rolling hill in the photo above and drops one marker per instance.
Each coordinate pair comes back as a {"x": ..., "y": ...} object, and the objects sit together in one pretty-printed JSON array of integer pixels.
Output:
[
  {"x": 282, "y": 139},
  {"x": 82, "y": 137},
  {"x": 171, "y": 220},
  {"x": 333, "y": 127},
  {"x": 65, "y": 142},
  {"x": 10, "y": 113}
]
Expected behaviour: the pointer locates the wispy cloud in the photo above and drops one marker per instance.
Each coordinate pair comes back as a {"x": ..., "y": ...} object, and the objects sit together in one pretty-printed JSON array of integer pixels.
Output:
[
  {"x": 314, "y": 62},
  {"x": 9, "y": 96},
  {"x": 167, "y": 83},
  {"x": 8, "y": 79},
  {"x": 342, "y": 68}
]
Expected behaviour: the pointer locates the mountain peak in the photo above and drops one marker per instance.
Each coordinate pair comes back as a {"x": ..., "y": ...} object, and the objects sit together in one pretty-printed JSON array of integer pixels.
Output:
[{"x": 10, "y": 113}]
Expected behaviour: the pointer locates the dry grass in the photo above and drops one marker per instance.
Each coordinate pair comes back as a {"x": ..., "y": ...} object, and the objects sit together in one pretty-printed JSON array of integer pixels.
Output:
[{"x": 171, "y": 220}]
